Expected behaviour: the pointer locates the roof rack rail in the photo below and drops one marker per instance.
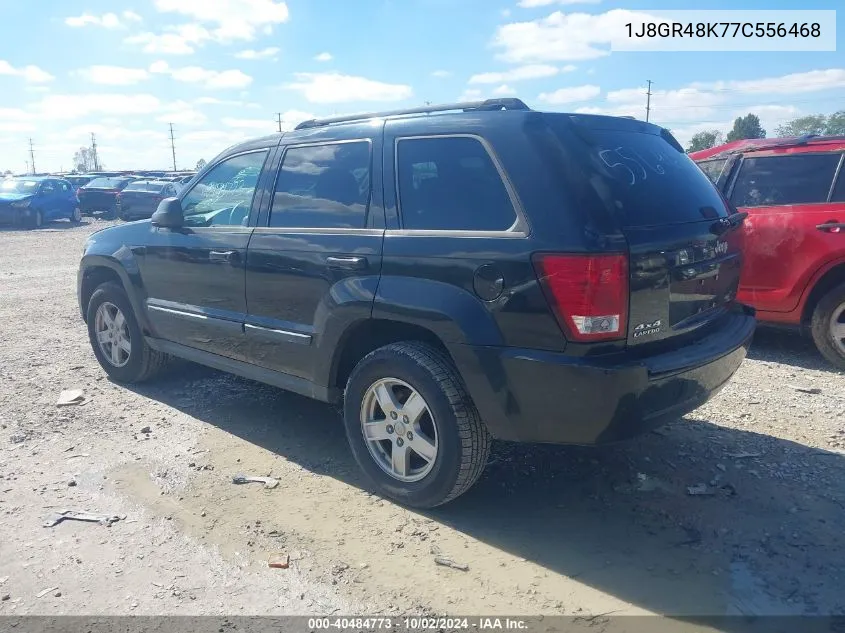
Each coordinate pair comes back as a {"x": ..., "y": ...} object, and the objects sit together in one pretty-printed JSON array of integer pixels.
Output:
[{"x": 467, "y": 106}]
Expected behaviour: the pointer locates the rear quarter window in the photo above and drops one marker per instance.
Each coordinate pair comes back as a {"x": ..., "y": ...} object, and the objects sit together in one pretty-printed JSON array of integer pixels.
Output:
[
  {"x": 451, "y": 184},
  {"x": 784, "y": 180},
  {"x": 713, "y": 168}
]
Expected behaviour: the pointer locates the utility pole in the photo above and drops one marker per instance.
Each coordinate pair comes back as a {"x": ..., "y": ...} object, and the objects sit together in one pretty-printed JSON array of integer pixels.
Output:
[
  {"x": 648, "y": 101},
  {"x": 173, "y": 146},
  {"x": 279, "y": 118},
  {"x": 32, "y": 156},
  {"x": 94, "y": 152}
]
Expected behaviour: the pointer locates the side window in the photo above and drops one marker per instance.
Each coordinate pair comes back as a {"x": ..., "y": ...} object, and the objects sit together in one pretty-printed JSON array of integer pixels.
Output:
[
  {"x": 839, "y": 190},
  {"x": 782, "y": 180},
  {"x": 323, "y": 186},
  {"x": 65, "y": 187},
  {"x": 450, "y": 183},
  {"x": 47, "y": 186},
  {"x": 712, "y": 168},
  {"x": 224, "y": 195}
]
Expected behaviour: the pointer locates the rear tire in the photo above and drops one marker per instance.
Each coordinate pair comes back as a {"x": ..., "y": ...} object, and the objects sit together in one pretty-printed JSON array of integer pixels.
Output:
[
  {"x": 828, "y": 326},
  {"x": 142, "y": 362},
  {"x": 76, "y": 216},
  {"x": 452, "y": 432}
]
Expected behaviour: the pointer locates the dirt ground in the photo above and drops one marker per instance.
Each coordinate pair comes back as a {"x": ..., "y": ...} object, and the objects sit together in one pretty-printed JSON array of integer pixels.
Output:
[{"x": 547, "y": 530}]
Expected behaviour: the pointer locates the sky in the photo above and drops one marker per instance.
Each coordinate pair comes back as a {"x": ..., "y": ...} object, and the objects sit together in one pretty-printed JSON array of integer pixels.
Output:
[{"x": 221, "y": 70}]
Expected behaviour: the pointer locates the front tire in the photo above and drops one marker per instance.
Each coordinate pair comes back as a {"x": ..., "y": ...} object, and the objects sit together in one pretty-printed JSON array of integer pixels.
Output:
[
  {"x": 828, "y": 326},
  {"x": 412, "y": 426},
  {"x": 36, "y": 220},
  {"x": 116, "y": 338},
  {"x": 76, "y": 216}
]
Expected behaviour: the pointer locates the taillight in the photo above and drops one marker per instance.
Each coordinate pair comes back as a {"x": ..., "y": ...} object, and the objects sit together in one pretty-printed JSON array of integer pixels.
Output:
[{"x": 588, "y": 293}]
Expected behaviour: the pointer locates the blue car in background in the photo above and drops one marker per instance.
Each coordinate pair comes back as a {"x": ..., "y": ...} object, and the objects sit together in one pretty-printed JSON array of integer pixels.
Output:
[{"x": 32, "y": 200}]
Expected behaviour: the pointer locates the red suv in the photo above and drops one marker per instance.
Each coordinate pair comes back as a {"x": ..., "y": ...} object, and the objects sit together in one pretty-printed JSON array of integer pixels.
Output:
[{"x": 793, "y": 190}]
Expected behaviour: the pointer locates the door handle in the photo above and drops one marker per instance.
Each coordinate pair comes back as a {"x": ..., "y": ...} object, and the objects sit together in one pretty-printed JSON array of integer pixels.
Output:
[
  {"x": 223, "y": 256},
  {"x": 831, "y": 227},
  {"x": 347, "y": 263}
]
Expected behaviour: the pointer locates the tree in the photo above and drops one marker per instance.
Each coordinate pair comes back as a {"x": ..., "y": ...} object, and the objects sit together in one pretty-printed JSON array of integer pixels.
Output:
[
  {"x": 814, "y": 124},
  {"x": 201, "y": 163},
  {"x": 704, "y": 140},
  {"x": 747, "y": 126},
  {"x": 83, "y": 160}
]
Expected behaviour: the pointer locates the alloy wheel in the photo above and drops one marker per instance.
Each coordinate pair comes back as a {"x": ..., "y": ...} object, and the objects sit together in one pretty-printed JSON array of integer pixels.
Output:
[
  {"x": 399, "y": 429},
  {"x": 112, "y": 333},
  {"x": 837, "y": 328}
]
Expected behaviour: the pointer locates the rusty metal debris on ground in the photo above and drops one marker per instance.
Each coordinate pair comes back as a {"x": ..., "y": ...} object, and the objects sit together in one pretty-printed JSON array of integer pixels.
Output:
[
  {"x": 90, "y": 517},
  {"x": 69, "y": 397},
  {"x": 268, "y": 482}
]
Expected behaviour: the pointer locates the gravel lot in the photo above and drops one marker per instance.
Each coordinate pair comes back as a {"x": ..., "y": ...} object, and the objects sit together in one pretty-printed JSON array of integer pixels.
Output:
[{"x": 547, "y": 530}]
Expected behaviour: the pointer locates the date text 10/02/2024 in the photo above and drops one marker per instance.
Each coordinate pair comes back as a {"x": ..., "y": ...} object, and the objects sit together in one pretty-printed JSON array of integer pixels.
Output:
[{"x": 417, "y": 623}]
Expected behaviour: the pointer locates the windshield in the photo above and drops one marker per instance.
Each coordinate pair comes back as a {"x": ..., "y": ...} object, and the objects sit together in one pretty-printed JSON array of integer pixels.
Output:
[
  {"x": 19, "y": 186},
  {"x": 643, "y": 179},
  {"x": 106, "y": 183},
  {"x": 145, "y": 186}
]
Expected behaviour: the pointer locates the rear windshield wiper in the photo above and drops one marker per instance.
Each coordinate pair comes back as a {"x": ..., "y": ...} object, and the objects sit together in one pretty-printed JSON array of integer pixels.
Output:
[{"x": 728, "y": 224}]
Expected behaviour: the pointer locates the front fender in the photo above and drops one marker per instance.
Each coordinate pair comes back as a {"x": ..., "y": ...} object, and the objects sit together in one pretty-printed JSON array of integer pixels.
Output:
[
  {"x": 122, "y": 263},
  {"x": 452, "y": 313}
]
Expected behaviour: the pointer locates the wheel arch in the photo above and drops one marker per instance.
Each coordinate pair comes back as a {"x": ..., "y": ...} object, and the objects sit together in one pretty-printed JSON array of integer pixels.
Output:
[
  {"x": 368, "y": 335},
  {"x": 97, "y": 270},
  {"x": 828, "y": 280}
]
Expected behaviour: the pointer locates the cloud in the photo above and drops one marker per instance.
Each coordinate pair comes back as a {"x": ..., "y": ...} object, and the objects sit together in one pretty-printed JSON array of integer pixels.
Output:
[
  {"x": 179, "y": 40},
  {"x": 522, "y": 73},
  {"x": 470, "y": 94},
  {"x": 113, "y": 75},
  {"x": 571, "y": 94},
  {"x": 504, "y": 91},
  {"x": 531, "y": 4},
  {"x": 31, "y": 74},
  {"x": 441, "y": 74},
  {"x": 181, "y": 113},
  {"x": 211, "y": 79},
  {"x": 563, "y": 36},
  {"x": 63, "y": 106},
  {"x": 106, "y": 20},
  {"x": 810, "y": 81},
  {"x": 324, "y": 57},
  {"x": 263, "y": 53},
  {"x": 337, "y": 88},
  {"x": 230, "y": 20}
]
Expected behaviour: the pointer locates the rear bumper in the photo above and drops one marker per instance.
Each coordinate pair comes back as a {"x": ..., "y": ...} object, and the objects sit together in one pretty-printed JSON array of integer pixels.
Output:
[{"x": 548, "y": 397}]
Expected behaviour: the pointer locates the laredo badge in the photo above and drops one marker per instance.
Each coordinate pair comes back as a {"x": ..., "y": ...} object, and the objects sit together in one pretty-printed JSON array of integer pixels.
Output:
[{"x": 647, "y": 329}]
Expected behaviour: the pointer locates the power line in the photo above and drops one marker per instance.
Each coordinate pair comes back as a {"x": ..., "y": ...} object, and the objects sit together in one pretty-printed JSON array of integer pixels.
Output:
[
  {"x": 173, "y": 146},
  {"x": 648, "y": 102},
  {"x": 32, "y": 156}
]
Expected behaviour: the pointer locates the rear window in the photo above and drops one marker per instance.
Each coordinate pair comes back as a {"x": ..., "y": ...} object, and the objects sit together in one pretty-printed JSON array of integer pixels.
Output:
[
  {"x": 145, "y": 186},
  {"x": 713, "y": 168},
  {"x": 782, "y": 180},
  {"x": 105, "y": 183},
  {"x": 643, "y": 179}
]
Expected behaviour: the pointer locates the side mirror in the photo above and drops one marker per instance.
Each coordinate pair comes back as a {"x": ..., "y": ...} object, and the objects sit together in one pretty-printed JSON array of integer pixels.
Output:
[{"x": 168, "y": 214}]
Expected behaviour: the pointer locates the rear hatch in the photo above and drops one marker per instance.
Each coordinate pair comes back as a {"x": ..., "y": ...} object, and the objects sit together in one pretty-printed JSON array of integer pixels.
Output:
[
  {"x": 684, "y": 252},
  {"x": 140, "y": 202},
  {"x": 100, "y": 194}
]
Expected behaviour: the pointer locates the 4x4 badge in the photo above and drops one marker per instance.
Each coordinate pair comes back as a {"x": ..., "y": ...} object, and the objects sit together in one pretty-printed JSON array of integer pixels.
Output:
[{"x": 645, "y": 329}]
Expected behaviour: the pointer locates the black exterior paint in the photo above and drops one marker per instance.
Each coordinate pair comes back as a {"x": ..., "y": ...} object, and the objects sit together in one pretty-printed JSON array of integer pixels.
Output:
[{"x": 281, "y": 308}]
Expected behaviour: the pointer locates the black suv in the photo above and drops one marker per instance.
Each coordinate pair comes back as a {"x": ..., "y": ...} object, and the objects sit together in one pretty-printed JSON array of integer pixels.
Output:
[{"x": 450, "y": 274}]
